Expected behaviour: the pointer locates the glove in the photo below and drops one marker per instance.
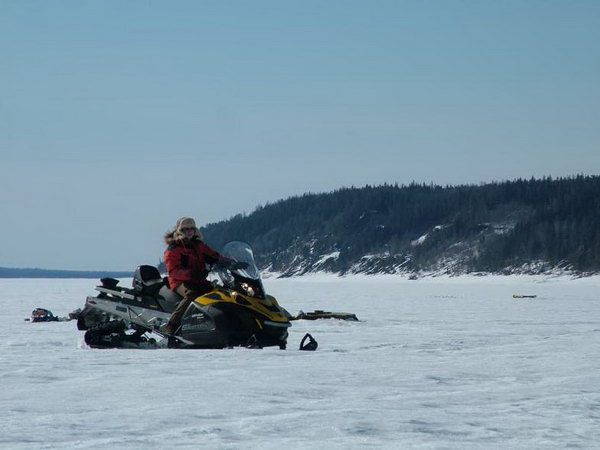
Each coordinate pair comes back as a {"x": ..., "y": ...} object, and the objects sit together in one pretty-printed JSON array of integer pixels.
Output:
[
  {"x": 239, "y": 265},
  {"x": 225, "y": 263},
  {"x": 232, "y": 264}
]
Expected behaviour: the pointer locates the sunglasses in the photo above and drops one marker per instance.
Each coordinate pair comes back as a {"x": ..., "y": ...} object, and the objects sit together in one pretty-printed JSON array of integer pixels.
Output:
[{"x": 188, "y": 229}]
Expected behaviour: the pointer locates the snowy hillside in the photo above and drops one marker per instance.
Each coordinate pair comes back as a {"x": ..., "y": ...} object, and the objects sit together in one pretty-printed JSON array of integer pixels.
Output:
[
  {"x": 514, "y": 227},
  {"x": 435, "y": 363}
]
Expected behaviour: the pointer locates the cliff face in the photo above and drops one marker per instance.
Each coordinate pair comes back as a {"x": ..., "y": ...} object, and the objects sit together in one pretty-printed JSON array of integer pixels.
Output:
[
  {"x": 446, "y": 256},
  {"x": 6, "y": 272}
]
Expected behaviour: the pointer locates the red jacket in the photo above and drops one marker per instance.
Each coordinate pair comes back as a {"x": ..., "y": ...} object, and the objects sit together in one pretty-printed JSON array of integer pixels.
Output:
[{"x": 186, "y": 261}]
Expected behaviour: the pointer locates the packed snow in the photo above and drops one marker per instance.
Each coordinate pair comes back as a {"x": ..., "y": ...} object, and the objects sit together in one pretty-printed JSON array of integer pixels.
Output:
[{"x": 434, "y": 363}]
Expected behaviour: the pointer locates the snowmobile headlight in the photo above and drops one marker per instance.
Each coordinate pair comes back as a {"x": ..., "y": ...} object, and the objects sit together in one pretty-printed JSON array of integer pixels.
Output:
[{"x": 247, "y": 289}]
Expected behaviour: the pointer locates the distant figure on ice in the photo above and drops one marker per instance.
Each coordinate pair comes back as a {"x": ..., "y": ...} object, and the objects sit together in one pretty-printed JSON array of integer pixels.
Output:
[{"x": 186, "y": 257}]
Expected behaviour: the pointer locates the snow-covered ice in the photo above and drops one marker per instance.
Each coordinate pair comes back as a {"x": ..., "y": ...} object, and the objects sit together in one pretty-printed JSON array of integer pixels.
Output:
[{"x": 435, "y": 363}]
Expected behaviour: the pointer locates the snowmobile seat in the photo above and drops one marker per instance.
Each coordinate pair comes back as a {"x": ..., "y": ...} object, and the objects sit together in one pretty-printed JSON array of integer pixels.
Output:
[
  {"x": 147, "y": 281},
  {"x": 168, "y": 299}
]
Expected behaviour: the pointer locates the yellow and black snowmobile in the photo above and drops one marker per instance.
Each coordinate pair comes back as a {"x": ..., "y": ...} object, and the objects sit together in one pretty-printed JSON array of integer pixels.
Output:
[{"x": 237, "y": 312}]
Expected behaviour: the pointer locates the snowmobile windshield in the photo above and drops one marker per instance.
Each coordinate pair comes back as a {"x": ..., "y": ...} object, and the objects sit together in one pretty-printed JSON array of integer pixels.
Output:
[
  {"x": 243, "y": 276},
  {"x": 242, "y": 253}
]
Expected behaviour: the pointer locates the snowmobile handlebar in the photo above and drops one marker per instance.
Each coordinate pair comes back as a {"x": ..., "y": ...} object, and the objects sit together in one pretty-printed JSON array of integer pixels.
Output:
[{"x": 232, "y": 264}]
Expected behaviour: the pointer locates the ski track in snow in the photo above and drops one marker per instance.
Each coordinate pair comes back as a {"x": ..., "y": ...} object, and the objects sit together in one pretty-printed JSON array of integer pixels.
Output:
[{"x": 434, "y": 363}]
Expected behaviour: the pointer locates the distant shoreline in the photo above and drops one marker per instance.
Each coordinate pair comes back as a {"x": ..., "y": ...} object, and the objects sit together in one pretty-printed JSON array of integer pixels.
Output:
[{"x": 6, "y": 272}]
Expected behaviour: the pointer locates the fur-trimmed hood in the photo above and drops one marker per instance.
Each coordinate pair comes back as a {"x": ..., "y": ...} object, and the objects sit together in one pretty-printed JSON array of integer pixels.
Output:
[
  {"x": 173, "y": 237},
  {"x": 176, "y": 236}
]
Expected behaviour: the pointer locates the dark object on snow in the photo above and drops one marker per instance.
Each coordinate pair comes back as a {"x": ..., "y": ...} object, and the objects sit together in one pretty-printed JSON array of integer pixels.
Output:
[
  {"x": 43, "y": 315},
  {"x": 319, "y": 314},
  {"x": 309, "y": 346}
]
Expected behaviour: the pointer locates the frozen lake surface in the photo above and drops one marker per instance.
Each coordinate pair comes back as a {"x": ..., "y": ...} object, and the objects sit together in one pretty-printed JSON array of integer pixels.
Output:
[{"x": 435, "y": 363}]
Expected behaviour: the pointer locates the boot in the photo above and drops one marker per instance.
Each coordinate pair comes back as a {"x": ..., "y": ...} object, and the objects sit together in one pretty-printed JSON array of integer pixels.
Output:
[{"x": 168, "y": 328}]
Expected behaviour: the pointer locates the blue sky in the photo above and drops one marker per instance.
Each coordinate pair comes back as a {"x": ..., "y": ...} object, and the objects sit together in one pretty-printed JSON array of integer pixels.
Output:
[{"x": 117, "y": 117}]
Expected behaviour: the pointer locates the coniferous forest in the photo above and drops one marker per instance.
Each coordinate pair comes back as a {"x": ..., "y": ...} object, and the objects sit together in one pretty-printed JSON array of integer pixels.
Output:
[{"x": 521, "y": 226}]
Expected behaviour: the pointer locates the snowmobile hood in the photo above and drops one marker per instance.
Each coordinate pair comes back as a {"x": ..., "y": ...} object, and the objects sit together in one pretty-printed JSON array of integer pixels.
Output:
[{"x": 267, "y": 307}]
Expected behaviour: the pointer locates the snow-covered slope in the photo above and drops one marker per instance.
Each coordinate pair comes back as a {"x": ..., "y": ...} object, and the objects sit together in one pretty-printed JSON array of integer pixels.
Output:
[
  {"x": 435, "y": 363},
  {"x": 436, "y": 252}
]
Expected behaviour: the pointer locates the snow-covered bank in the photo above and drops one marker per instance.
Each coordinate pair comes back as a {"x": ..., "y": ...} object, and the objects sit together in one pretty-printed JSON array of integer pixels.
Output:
[
  {"x": 444, "y": 362},
  {"x": 444, "y": 278}
]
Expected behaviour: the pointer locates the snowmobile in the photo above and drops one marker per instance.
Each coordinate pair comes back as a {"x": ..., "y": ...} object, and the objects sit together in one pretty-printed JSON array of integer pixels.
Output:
[{"x": 237, "y": 312}]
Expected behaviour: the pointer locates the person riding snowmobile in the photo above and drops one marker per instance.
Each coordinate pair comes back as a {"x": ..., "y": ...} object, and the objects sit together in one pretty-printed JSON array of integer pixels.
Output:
[{"x": 186, "y": 257}]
